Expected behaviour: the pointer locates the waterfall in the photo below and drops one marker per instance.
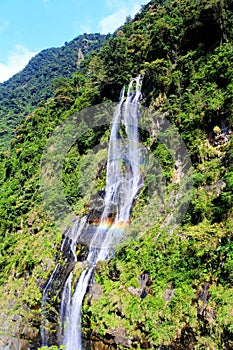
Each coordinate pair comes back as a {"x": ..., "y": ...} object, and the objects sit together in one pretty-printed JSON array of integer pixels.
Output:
[
  {"x": 51, "y": 289},
  {"x": 123, "y": 182}
]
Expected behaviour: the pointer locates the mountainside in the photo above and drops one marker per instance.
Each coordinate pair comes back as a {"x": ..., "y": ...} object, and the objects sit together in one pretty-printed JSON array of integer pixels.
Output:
[
  {"x": 168, "y": 289},
  {"x": 25, "y": 90}
]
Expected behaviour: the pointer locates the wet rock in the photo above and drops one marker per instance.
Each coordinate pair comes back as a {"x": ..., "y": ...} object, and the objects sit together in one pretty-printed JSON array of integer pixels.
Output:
[
  {"x": 51, "y": 301},
  {"x": 87, "y": 235}
]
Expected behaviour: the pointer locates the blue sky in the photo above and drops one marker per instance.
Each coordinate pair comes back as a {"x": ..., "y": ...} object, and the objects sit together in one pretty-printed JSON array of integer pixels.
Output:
[{"x": 29, "y": 26}]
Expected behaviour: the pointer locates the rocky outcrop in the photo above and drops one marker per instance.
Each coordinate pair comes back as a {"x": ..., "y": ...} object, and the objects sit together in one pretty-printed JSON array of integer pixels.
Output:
[
  {"x": 114, "y": 339},
  {"x": 16, "y": 332},
  {"x": 50, "y": 328},
  {"x": 11, "y": 343}
]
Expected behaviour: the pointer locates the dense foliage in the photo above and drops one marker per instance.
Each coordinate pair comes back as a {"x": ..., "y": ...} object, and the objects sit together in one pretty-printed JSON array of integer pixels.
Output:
[
  {"x": 24, "y": 91},
  {"x": 161, "y": 291}
]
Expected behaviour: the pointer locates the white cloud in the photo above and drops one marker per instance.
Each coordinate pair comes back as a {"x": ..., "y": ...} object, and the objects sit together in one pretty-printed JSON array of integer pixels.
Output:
[
  {"x": 122, "y": 10},
  {"x": 112, "y": 22},
  {"x": 16, "y": 61}
]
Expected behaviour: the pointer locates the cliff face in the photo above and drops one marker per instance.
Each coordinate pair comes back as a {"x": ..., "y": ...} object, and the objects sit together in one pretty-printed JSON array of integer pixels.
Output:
[{"x": 161, "y": 290}]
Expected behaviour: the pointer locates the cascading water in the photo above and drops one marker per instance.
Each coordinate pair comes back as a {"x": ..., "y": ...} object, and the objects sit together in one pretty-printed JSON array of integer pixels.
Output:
[
  {"x": 122, "y": 185},
  {"x": 68, "y": 249},
  {"x": 123, "y": 182}
]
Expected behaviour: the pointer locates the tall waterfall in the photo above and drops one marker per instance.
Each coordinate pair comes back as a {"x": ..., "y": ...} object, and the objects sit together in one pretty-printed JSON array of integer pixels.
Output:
[{"x": 123, "y": 182}]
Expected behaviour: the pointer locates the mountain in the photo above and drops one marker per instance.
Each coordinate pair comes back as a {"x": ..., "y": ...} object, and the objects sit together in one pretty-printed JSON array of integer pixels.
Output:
[
  {"x": 167, "y": 289},
  {"x": 25, "y": 90}
]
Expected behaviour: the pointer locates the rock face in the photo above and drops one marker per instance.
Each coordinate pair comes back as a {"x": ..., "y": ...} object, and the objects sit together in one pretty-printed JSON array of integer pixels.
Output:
[
  {"x": 115, "y": 339},
  {"x": 50, "y": 328},
  {"x": 17, "y": 333},
  {"x": 10, "y": 343},
  {"x": 96, "y": 292}
]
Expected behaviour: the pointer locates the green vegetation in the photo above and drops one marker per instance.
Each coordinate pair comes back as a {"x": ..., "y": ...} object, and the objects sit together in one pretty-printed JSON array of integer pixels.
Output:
[
  {"x": 162, "y": 290},
  {"x": 35, "y": 83}
]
